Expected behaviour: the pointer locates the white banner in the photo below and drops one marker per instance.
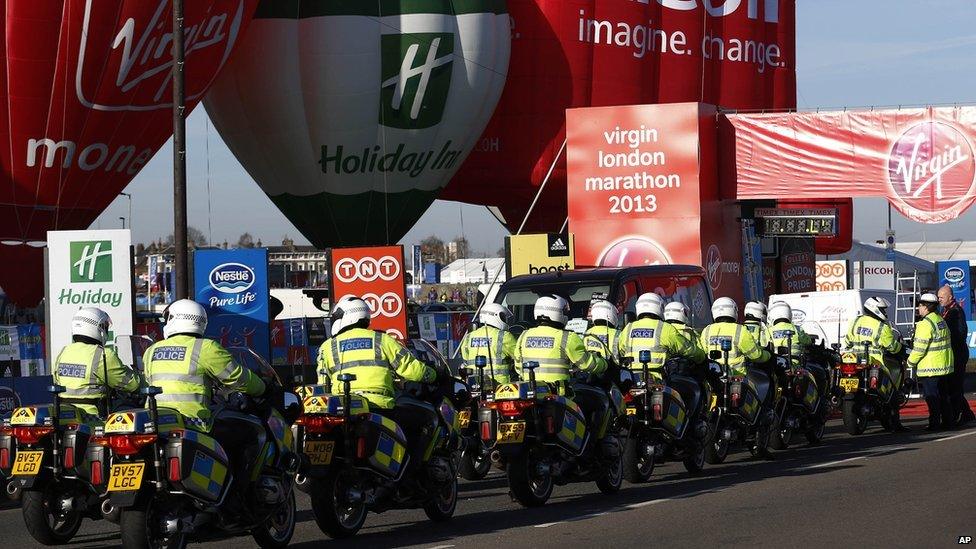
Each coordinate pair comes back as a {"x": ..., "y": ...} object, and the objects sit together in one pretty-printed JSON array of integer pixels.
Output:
[
  {"x": 874, "y": 275},
  {"x": 831, "y": 276},
  {"x": 87, "y": 269}
]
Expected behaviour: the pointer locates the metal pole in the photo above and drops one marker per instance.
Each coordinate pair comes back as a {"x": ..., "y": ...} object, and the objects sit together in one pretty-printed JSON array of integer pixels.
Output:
[
  {"x": 129, "y": 198},
  {"x": 122, "y": 219},
  {"x": 179, "y": 156}
]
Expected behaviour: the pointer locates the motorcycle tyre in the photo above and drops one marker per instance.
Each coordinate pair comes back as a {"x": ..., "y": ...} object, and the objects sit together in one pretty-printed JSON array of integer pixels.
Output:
[
  {"x": 34, "y": 509},
  {"x": 855, "y": 423},
  {"x": 324, "y": 507},
  {"x": 266, "y": 540},
  {"x": 474, "y": 465},
  {"x": 520, "y": 483},
  {"x": 633, "y": 472},
  {"x": 134, "y": 525}
]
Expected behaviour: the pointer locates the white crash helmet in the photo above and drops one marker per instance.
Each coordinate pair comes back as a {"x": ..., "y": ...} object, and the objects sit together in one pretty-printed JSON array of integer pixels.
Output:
[
  {"x": 185, "y": 317},
  {"x": 92, "y": 323},
  {"x": 781, "y": 311},
  {"x": 878, "y": 306},
  {"x": 348, "y": 311},
  {"x": 650, "y": 304},
  {"x": 755, "y": 309},
  {"x": 604, "y": 310},
  {"x": 676, "y": 311},
  {"x": 552, "y": 308},
  {"x": 494, "y": 314},
  {"x": 725, "y": 307}
]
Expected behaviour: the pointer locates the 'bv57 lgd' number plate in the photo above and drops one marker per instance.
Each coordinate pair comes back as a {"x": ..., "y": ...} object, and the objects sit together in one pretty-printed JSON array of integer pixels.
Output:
[
  {"x": 850, "y": 384},
  {"x": 125, "y": 477},
  {"x": 511, "y": 433},
  {"x": 28, "y": 463}
]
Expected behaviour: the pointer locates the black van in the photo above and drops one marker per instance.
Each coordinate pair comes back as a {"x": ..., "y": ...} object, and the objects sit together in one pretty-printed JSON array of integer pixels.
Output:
[{"x": 619, "y": 285}]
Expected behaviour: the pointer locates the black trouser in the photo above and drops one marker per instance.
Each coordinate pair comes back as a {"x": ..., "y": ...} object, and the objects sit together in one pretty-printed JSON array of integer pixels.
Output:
[
  {"x": 957, "y": 389},
  {"x": 936, "y": 389},
  {"x": 418, "y": 420},
  {"x": 240, "y": 435},
  {"x": 594, "y": 403}
]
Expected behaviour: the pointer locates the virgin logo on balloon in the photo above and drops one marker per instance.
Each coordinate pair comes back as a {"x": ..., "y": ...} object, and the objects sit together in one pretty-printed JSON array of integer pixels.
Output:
[
  {"x": 931, "y": 172},
  {"x": 141, "y": 53},
  {"x": 367, "y": 269}
]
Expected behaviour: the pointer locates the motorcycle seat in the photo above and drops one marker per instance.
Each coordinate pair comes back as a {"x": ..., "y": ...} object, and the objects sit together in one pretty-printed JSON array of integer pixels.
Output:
[
  {"x": 406, "y": 401},
  {"x": 760, "y": 381},
  {"x": 689, "y": 389}
]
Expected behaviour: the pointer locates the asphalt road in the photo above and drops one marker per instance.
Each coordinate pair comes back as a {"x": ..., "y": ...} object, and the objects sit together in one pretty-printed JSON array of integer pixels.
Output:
[{"x": 877, "y": 490}]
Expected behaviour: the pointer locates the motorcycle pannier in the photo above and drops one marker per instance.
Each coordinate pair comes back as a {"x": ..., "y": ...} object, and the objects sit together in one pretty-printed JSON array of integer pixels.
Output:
[
  {"x": 674, "y": 415},
  {"x": 743, "y": 399},
  {"x": 380, "y": 443},
  {"x": 567, "y": 426},
  {"x": 204, "y": 466}
]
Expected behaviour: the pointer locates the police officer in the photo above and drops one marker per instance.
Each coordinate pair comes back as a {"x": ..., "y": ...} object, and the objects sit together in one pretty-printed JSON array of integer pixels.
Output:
[
  {"x": 602, "y": 336},
  {"x": 783, "y": 333},
  {"x": 375, "y": 357},
  {"x": 676, "y": 314},
  {"x": 87, "y": 369},
  {"x": 492, "y": 340},
  {"x": 872, "y": 327},
  {"x": 744, "y": 350},
  {"x": 932, "y": 359},
  {"x": 650, "y": 332},
  {"x": 755, "y": 322}
]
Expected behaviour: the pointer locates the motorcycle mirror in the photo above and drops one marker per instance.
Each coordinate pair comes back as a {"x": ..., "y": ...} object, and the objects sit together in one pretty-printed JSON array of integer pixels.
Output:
[
  {"x": 715, "y": 355},
  {"x": 835, "y": 346},
  {"x": 56, "y": 389},
  {"x": 782, "y": 350},
  {"x": 346, "y": 377},
  {"x": 530, "y": 365},
  {"x": 644, "y": 356},
  {"x": 726, "y": 344},
  {"x": 151, "y": 390},
  {"x": 464, "y": 372},
  {"x": 481, "y": 361}
]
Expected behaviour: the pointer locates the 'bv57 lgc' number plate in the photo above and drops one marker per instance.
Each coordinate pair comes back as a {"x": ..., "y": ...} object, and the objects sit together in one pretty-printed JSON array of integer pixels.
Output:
[
  {"x": 511, "y": 433},
  {"x": 125, "y": 477}
]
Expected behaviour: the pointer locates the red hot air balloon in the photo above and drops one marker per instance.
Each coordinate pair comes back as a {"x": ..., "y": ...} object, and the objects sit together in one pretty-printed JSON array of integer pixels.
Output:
[
  {"x": 85, "y": 102},
  {"x": 738, "y": 54}
]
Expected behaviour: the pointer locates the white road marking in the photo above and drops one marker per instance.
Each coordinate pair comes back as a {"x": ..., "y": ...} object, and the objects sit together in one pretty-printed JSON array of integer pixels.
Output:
[
  {"x": 832, "y": 463},
  {"x": 955, "y": 436},
  {"x": 575, "y": 519},
  {"x": 441, "y": 547}
]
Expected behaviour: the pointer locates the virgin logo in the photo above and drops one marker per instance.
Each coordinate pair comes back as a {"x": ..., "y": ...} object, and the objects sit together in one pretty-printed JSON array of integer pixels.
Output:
[
  {"x": 140, "y": 59},
  {"x": 633, "y": 251},
  {"x": 931, "y": 172},
  {"x": 713, "y": 266}
]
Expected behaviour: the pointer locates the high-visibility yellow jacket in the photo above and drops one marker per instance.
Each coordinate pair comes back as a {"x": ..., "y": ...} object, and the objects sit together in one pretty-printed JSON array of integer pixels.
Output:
[
  {"x": 744, "y": 346},
  {"x": 187, "y": 368},
  {"x": 658, "y": 337},
  {"x": 557, "y": 352},
  {"x": 497, "y": 346},
  {"x": 374, "y": 358},
  {"x": 690, "y": 334},
  {"x": 879, "y": 334},
  {"x": 760, "y": 332},
  {"x": 602, "y": 340},
  {"x": 787, "y": 334},
  {"x": 931, "y": 352},
  {"x": 81, "y": 368}
]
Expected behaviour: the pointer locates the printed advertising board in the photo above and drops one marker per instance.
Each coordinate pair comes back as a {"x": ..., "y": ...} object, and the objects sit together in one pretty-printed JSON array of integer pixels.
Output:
[
  {"x": 956, "y": 275},
  {"x": 375, "y": 275},
  {"x": 874, "y": 275},
  {"x": 831, "y": 276},
  {"x": 539, "y": 253},
  {"x": 233, "y": 286},
  {"x": 87, "y": 269}
]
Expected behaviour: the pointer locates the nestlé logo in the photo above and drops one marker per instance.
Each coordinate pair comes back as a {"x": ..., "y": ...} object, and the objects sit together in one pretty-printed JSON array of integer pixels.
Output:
[{"x": 231, "y": 278}]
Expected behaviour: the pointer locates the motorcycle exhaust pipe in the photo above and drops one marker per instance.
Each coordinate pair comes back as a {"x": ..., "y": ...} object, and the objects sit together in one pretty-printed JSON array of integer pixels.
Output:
[
  {"x": 496, "y": 456},
  {"x": 107, "y": 508},
  {"x": 11, "y": 488}
]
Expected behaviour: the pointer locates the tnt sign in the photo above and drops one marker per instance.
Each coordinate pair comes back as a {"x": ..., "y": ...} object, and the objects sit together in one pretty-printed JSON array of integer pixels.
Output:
[{"x": 376, "y": 276}]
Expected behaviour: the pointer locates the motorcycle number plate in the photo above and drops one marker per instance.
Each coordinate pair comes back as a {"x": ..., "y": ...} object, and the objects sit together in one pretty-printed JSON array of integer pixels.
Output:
[
  {"x": 850, "y": 384},
  {"x": 511, "y": 433},
  {"x": 319, "y": 452},
  {"x": 28, "y": 463},
  {"x": 631, "y": 411},
  {"x": 125, "y": 477},
  {"x": 464, "y": 418}
]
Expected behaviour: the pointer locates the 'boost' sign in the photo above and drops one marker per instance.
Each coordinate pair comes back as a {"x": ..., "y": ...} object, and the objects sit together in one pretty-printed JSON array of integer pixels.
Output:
[{"x": 374, "y": 275}]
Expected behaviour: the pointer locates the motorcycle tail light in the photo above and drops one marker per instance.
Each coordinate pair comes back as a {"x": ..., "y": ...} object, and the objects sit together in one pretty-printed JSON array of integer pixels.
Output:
[
  {"x": 96, "y": 473},
  {"x": 31, "y": 435},
  {"x": 127, "y": 445},
  {"x": 848, "y": 369},
  {"x": 175, "y": 472},
  {"x": 511, "y": 408},
  {"x": 319, "y": 424},
  {"x": 628, "y": 397},
  {"x": 657, "y": 412},
  {"x": 4, "y": 458},
  {"x": 550, "y": 425},
  {"x": 873, "y": 383},
  {"x": 361, "y": 448},
  {"x": 798, "y": 390},
  {"x": 69, "y": 457},
  {"x": 735, "y": 399},
  {"x": 485, "y": 430}
]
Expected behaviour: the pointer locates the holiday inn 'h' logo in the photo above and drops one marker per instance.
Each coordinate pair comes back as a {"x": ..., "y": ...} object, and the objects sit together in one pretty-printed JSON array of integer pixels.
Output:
[
  {"x": 416, "y": 78},
  {"x": 91, "y": 261}
]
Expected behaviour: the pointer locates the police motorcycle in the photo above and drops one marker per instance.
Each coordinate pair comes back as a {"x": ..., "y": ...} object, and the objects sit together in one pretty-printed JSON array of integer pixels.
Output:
[
  {"x": 475, "y": 454},
  {"x": 824, "y": 358},
  {"x": 42, "y": 453},
  {"x": 541, "y": 438},
  {"x": 359, "y": 460},
  {"x": 176, "y": 484},
  {"x": 666, "y": 420},
  {"x": 804, "y": 406},
  {"x": 872, "y": 390},
  {"x": 738, "y": 408}
]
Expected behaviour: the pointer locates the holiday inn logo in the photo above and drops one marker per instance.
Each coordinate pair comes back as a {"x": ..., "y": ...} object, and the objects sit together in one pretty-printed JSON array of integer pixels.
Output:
[
  {"x": 91, "y": 261},
  {"x": 416, "y": 78}
]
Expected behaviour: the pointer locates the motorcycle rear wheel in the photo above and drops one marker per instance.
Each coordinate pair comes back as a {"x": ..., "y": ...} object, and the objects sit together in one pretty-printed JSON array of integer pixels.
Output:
[
  {"x": 474, "y": 465},
  {"x": 716, "y": 451},
  {"x": 816, "y": 432},
  {"x": 277, "y": 531},
  {"x": 638, "y": 467},
  {"x": 695, "y": 462},
  {"x": 528, "y": 490},
  {"x": 139, "y": 527},
  {"x": 613, "y": 478},
  {"x": 441, "y": 507},
  {"x": 336, "y": 518},
  {"x": 42, "y": 524},
  {"x": 780, "y": 439},
  {"x": 855, "y": 423}
]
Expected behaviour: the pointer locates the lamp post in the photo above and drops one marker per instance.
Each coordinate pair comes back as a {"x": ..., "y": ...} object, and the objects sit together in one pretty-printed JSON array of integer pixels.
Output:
[
  {"x": 129, "y": 198},
  {"x": 122, "y": 219}
]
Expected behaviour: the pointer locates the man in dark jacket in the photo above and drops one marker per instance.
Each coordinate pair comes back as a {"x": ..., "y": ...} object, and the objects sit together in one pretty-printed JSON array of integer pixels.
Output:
[{"x": 958, "y": 333}]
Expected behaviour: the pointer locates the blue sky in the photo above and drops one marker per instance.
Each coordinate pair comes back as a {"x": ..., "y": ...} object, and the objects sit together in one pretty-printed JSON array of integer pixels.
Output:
[{"x": 849, "y": 53}]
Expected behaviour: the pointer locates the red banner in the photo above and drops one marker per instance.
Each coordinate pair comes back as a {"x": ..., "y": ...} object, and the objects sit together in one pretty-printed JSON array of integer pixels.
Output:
[
  {"x": 376, "y": 276},
  {"x": 922, "y": 159},
  {"x": 588, "y": 53}
]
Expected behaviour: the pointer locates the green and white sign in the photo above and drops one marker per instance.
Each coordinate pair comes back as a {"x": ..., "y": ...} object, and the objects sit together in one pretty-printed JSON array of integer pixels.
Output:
[{"x": 87, "y": 269}]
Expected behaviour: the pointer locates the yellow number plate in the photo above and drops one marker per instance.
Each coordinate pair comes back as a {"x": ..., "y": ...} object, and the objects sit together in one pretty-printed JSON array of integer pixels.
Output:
[
  {"x": 126, "y": 477},
  {"x": 511, "y": 433},
  {"x": 319, "y": 452},
  {"x": 850, "y": 384},
  {"x": 464, "y": 418},
  {"x": 28, "y": 463},
  {"x": 631, "y": 411}
]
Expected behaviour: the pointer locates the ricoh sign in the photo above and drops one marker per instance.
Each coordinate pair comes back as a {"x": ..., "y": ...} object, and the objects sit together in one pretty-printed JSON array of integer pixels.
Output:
[
  {"x": 874, "y": 275},
  {"x": 376, "y": 276}
]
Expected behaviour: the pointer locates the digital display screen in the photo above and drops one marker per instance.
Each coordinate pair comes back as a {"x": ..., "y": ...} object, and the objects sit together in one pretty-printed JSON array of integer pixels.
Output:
[{"x": 796, "y": 223}]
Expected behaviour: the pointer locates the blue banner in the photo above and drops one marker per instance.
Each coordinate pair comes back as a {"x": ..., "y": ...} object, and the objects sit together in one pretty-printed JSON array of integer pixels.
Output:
[
  {"x": 956, "y": 275},
  {"x": 233, "y": 286}
]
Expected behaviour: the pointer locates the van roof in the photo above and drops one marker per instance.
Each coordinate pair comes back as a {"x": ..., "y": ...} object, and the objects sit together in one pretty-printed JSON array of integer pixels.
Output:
[{"x": 603, "y": 273}]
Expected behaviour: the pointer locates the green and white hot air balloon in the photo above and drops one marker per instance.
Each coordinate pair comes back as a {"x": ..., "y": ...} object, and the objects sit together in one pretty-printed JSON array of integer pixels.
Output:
[{"x": 352, "y": 114}]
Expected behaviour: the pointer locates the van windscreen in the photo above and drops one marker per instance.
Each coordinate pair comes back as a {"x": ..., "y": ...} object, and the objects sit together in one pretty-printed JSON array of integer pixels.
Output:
[{"x": 521, "y": 301}]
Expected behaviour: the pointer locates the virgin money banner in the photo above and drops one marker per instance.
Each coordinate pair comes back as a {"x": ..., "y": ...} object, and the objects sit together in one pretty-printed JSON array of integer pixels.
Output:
[
  {"x": 920, "y": 159},
  {"x": 737, "y": 54},
  {"x": 376, "y": 276}
]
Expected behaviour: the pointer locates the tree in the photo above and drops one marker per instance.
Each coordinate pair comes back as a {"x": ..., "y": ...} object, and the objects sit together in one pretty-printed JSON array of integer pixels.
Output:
[
  {"x": 194, "y": 238},
  {"x": 245, "y": 241},
  {"x": 461, "y": 248},
  {"x": 500, "y": 252},
  {"x": 433, "y": 248}
]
